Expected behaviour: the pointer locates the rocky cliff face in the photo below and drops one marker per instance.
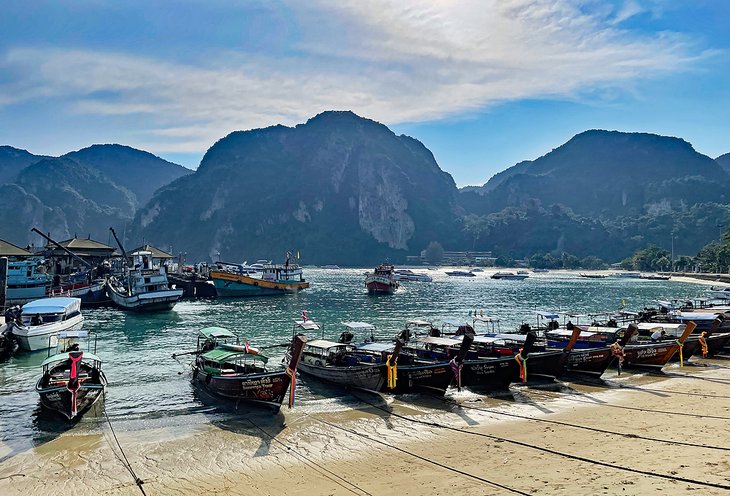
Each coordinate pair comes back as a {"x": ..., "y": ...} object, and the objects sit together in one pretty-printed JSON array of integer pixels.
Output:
[
  {"x": 339, "y": 189},
  {"x": 14, "y": 160}
]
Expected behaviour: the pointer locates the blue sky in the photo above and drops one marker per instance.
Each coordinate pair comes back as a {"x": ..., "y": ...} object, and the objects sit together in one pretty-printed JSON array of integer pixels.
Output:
[{"x": 484, "y": 84}]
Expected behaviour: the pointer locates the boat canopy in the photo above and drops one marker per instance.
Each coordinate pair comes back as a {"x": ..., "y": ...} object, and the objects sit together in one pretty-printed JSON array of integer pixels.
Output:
[
  {"x": 437, "y": 341},
  {"x": 565, "y": 333},
  {"x": 220, "y": 355},
  {"x": 660, "y": 325},
  {"x": 73, "y": 334},
  {"x": 307, "y": 325},
  {"x": 511, "y": 336},
  {"x": 665, "y": 304},
  {"x": 695, "y": 316},
  {"x": 418, "y": 323},
  {"x": 358, "y": 326},
  {"x": 485, "y": 318},
  {"x": 60, "y": 357},
  {"x": 548, "y": 315},
  {"x": 217, "y": 332},
  {"x": 324, "y": 343},
  {"x": 52, "y": 306},
  {"x": 456, "y": 322},
  {"x": 375, "y": 347}
]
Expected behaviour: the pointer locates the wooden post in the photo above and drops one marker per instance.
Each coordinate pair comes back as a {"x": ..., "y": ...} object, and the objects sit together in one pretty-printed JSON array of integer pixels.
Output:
[{"x": 3, "y": 282}]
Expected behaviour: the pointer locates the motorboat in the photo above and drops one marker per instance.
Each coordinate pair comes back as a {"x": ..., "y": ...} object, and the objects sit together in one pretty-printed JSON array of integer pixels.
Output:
[
  {"x": 510, "y": 276},
  {"x": 461, "y": 273},
  {"x": 42, "y": 320},
  {"x": 409, "y": 275},
  {"x": 382, "y": 280}
]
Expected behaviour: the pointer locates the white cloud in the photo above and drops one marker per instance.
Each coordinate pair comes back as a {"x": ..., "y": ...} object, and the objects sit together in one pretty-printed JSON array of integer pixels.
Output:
[{"x": 390, "y": 61}]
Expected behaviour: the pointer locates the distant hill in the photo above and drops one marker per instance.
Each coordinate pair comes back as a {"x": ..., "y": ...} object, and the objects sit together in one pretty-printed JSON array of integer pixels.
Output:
[
  {"x": 608, "y": 173},
  {"x": 724, "y": 161},
  {"x": 140, "y": 172},
  {"x": 14, "y": 160},
  {"x": 338, "y": 189}
]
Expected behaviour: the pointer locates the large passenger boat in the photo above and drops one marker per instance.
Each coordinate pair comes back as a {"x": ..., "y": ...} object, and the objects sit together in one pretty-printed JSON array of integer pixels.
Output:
[
  {"x": 382, "y": 280},
  {"x": 233, "y": 280}
]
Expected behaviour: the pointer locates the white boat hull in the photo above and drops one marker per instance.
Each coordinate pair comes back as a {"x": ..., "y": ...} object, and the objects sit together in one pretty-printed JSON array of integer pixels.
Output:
[
  {"x": 42, "y": 337},
  {"x": 149, "y": 301}
]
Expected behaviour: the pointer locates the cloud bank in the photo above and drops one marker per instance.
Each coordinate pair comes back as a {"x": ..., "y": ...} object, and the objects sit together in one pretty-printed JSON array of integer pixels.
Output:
[{"x": 405, "y": 61}]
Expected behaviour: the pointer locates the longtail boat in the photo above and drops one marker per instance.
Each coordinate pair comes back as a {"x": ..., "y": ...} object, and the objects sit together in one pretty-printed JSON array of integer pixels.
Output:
[
  {"x": 72, "y": 380},
  {"x": 653, "y": 355},
  {"x": 239, "y": 372},
  {"x": 591, "y": 354}
]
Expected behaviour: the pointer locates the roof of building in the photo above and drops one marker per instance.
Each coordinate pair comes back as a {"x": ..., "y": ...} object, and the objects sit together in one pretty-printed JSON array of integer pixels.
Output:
[
  {"x": 76, "y": 244},
  {"x": 156, "y": 252},
  {"x": 10, "y": 250}
]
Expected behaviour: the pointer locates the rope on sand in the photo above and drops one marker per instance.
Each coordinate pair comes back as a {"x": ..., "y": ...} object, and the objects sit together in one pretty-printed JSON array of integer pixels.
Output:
[
  {"x": 584, "y": 427},
  {"x": 125, "y": 462},
  {"x": 452, "y": 469},
  {"x": 326, "y": 473},
  {"x": 551, "y": 451}
]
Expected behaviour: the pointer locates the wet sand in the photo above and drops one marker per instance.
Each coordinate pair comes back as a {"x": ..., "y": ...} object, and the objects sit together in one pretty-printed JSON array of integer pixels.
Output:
[{"x": 308, "y": 456}]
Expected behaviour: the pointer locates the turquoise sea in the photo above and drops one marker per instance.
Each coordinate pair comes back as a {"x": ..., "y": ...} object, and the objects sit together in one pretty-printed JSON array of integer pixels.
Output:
[{"x": 148, "y": 388}]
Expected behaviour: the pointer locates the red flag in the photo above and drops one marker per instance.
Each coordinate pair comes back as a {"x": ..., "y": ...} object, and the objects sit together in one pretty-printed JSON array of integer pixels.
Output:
[{"x": 304, "y": 315}]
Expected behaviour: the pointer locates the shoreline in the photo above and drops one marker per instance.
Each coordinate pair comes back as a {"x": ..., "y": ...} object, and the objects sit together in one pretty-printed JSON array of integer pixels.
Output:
[{"x": 317, "y": 449}]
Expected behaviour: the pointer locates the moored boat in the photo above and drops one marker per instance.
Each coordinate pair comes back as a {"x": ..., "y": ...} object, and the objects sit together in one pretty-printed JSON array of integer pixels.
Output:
[
  {"x": 510, "y": 276},
  {"x": 409, "y": 275},
  {"x": 461, "y": 273},
  {"x": 27, "y": 280},
  {"x": 382, "y": 280},
  {"x": 42, "y": 320},
  {"x": 241, "y": 372},
  {"x": 269, "y": 279},
  {"x": 72, "y": 380}
]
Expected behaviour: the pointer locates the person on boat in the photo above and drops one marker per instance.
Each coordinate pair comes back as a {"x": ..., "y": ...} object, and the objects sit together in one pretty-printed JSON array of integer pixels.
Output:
[
  {"x": 657, "y": 335},
  {"x": 569, "y": 326}
]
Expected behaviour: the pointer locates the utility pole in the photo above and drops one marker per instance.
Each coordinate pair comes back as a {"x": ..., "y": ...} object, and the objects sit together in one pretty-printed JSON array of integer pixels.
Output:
[{"x": 672, "y": 251}]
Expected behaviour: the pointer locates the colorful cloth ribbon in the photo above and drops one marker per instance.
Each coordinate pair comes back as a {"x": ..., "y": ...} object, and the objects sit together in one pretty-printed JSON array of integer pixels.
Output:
[
  {"x": 392, "y": 366},
  {"x": 522, "y": 362},
  {"x": 681, "y": 357},
  {"x": 703, "y": 343},
  {"x": 73, "y": 384},
  {"x": 618, "y": 352},
  {"x": 456, "y": 368}
]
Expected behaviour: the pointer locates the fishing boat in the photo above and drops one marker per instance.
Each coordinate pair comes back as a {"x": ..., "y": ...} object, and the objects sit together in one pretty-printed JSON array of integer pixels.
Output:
[
  {"x": 510, "y": 276},
  {"x": 270, "y": 279},
  {"x": 627, "y": 275},
  {"x": 593, "y": 276},
  {"x": 240, "y": 372},
  {"x": 42, "y": 320},
  {"x": 72, "y": 379},
  {"x": 591, "y": 355},
  {"x": 84, "y": 285},
  {"x": 382, "y": 280},
  {"x": 409, "y": 275},
  {"x": 141, "y": 287},
  {"x": 27, "y": 280}
]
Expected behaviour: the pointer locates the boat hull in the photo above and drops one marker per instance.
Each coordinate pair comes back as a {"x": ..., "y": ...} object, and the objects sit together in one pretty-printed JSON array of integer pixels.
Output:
[
  {"x": 268, "y": 389},
  {"x": 59, "y": 399},
  {"x": 589, "y": 361},
  {"x": 426, "y": 378},
  {"x": 91, "y": 295},
  {"x": 368, "y": 377},
  {"x": 653, "y": 356},
  {"x": 42, "y": 337},
  {"x": 153, "y": 301},
  {"x": 379, "y": 287},
  {"x": 229, "y": 285},
  {"x": 491, "y": 374}
]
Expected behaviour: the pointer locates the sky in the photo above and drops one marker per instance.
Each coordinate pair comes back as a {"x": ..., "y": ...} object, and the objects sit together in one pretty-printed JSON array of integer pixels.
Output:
[{"x": 484, "y": 84}]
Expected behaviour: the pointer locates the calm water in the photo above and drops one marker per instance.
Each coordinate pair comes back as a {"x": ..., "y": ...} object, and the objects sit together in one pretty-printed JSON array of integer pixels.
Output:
[{"x": 148, "y": 388}]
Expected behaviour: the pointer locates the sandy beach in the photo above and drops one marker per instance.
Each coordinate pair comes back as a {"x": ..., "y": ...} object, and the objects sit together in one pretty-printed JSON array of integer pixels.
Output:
[{"x": 401, "y": 446}]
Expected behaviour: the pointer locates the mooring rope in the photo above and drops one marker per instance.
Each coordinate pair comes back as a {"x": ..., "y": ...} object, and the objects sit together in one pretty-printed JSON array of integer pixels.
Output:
[
  {"x": 125, "y": 462},
  {"x": 314, "y": 465},
  {"x": 584, "y": 427},
  {"x": 428, "y": 460},
  {"x": 550, "y": 450}
]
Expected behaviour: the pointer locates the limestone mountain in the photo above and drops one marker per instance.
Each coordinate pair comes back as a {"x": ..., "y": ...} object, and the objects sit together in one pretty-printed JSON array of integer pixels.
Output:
[
  {"x": 724, "y": 161},
  {"x": 14, "y": 160},
  {"x": 140, "y": 172},
  {"x": 607, "y": 174},
  {"x": 338, "y": 189}
]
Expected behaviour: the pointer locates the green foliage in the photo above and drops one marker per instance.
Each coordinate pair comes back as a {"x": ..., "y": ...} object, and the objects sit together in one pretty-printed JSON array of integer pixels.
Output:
[
  {"x": 592, "y": 263},
  {"x": 434, "y": 253},
  {"x": 504, "y": 261},
  {"x": 651, "y": 258}
]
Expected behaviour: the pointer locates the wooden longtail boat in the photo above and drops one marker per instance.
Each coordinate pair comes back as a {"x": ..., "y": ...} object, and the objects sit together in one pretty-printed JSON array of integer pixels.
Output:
[
  {"x": 653, "y": 355},
  {"x": 239, "y": 372},
  {"x": 72, "y": 380}
]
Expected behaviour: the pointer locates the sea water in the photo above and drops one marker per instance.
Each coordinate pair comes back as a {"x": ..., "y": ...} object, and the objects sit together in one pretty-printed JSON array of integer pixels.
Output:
[{"x": 148, "y": 388}]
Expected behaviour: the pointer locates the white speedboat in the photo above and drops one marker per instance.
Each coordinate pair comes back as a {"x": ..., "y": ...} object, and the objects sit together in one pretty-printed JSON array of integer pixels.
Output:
[
  {"x": 409, "y": 275},
  {"x": 509, "y": 276},
  {"x": 42, "y": 320}
]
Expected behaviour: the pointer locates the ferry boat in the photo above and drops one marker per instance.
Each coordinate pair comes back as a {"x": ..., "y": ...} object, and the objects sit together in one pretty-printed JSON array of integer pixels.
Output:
[
  {"x": 382, "y": 280},
  {"x": 274, "y": 279},
  {"x": 510, "y": 276},
  {"x": 27, "y": 281},
  {"x": 143, "y": 288},
  {"x": 42, "y": 320}
]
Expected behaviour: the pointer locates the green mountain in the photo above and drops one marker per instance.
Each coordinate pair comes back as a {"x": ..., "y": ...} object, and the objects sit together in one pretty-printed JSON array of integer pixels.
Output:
[
  {"x": 624, "y": 189},
  {"x": 338, "y": 189},
  {"x": 14, "y": 160},
  {"x": 138, "y": 171}
]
